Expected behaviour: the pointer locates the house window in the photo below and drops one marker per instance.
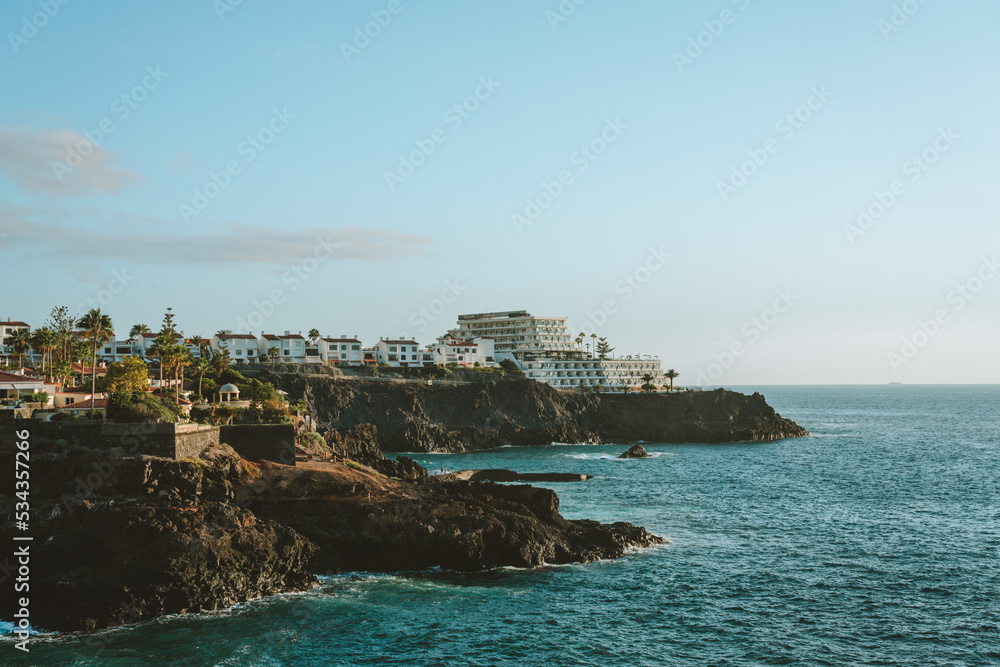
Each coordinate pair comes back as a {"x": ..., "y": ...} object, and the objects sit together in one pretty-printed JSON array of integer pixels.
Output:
[
  {"x": 392, "y": 348},
  {"x": 343, "y": 355},
  {"x": 286, "y": 353},
  {"x": 392, "y": 357},
  {"x": 343, "y": 347},
  {"x": 355, "y": 348},
  {"x": 239, "y": 353}
]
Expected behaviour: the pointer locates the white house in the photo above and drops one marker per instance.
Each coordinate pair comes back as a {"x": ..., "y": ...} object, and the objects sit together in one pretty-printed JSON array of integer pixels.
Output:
[
  {"x": 84, "y": 407},
  {"x": 402, "y": 353},
  {"x": 291, "y": 347},
  {"x": 116, "y": 350},
  {"x": 6, "y": 329},
  {"x": 243, "y": 348},
  {"x": 343, "y": 351},
  {"x": 449, "y": 350},
  {"x": 13, "y": 387}
]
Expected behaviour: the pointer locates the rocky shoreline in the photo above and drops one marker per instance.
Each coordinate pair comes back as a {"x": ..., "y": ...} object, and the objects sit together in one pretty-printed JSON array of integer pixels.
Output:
[
  {"x": 497, "y": 412},
  {"x": 153, "y": 536},
  {"x": 120, "y": 539}
]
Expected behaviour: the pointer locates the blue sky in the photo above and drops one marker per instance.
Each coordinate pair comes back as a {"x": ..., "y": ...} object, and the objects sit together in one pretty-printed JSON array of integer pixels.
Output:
[{"x": 325, "y": 115}]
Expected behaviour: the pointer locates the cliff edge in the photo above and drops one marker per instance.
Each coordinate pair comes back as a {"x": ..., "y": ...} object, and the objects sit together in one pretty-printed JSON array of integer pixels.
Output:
[{"x": 415, "y": 417}]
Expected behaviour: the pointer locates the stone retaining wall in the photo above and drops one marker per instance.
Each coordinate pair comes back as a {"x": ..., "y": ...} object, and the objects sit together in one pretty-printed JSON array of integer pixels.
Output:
[{"x": 263, "y": 442}]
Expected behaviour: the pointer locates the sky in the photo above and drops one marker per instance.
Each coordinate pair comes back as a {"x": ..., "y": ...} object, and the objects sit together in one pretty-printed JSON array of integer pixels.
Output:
[{"x": 756, "y": 192}]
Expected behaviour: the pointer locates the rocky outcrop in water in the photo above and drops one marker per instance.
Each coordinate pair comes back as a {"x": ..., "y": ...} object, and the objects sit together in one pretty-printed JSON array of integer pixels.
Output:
[
  {"x": 636, "y": 452},
  {"x": 503, "y": 475},
  {"x": 519, "y": 412},
  {"x": 123, "y": 539}
]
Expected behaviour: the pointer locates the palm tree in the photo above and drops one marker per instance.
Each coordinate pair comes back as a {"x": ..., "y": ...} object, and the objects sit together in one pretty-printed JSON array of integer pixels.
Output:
[
  {"x": 62, "y": 369},
  {"x": 221, "y": 361},
  {"x": 201, "y": 366},
  {"x": 199, "y": 343},
  {"x": 159, "y": 349},
  {"x": 62, "y": 324},
  {"x": 647, "y": 382},
  {"x": 20, "y": 341},
  {"x": 313, "y": 335},
  {"x": 45, "y": 341},
  {"x": 579, "y": 340},
  {"x": 273, "y": 353},
  {"x": 670, "y": 375},
  {"x": 98, "y": 329},
  {"x": 594, "y": 337},
  {"x": 137, "y": 329},
  {"x": 182, "y": 359}
]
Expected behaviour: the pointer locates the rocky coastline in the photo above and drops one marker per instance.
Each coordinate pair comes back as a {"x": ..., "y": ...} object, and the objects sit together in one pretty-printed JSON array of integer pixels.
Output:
[
  {"x": 497, "y": 412},
  {"x": 119, "y": 540}
]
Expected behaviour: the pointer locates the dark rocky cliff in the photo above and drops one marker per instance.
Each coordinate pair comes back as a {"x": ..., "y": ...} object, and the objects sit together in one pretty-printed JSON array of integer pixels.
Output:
[
  {"x": 118, "y": 540},
  {"x": 446, "y": 418}
]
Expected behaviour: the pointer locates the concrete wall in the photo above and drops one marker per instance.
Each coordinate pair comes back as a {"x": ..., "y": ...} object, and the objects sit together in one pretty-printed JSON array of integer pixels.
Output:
[{"x": 261, "y": 442}]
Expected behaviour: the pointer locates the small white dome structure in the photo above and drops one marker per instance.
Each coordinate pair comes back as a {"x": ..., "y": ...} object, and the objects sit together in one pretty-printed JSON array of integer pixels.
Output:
[{"x": 229, "y": 392}]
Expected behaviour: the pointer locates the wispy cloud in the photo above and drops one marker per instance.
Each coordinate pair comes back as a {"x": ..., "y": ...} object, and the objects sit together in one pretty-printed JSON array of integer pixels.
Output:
[
  {"x": 27, "y": 156},
  {"x": 152, "y": 241}
]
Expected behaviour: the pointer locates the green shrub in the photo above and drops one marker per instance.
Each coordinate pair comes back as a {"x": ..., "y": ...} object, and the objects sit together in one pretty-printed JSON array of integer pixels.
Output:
[
  {"x": 231, "y": 376},
  {"x": 314, "y": 444},
  {"x": 140, "y": 408}
]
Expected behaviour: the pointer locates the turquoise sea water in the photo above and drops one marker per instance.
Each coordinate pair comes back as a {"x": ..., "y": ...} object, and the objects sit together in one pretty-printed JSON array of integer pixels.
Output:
[{"x": 873, "y": 542}]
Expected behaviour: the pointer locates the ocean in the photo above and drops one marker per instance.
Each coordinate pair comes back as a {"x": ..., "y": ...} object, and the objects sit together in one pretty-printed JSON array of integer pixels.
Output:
[{"x": 872, "y": 542}]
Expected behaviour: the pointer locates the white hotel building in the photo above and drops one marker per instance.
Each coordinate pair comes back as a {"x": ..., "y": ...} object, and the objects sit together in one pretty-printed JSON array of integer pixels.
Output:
[{"x": 543, "y": 348}]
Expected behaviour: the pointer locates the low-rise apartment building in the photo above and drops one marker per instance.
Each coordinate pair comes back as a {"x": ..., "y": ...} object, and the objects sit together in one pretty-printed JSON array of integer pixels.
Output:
[
  {"x": 342, "y": 351},
  {"x": 399, "y": 353},
  {"x": 243, "y": 348}
]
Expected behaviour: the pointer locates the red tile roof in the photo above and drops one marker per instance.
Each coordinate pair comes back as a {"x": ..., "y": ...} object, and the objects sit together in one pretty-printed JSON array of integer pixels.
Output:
[
  {"x": 11, "y": 323},
  {"x": 9, "y": 378},
  {"x": 341, "y": 340},
  {"x": 97, "y": 405},
  {"x": 237, "y": 336},
  {"x": 399, "y": 342}
]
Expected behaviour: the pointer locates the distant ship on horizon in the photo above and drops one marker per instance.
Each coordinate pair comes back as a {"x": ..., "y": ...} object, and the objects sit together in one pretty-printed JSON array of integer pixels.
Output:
[{"x": 894, "y": 382}]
